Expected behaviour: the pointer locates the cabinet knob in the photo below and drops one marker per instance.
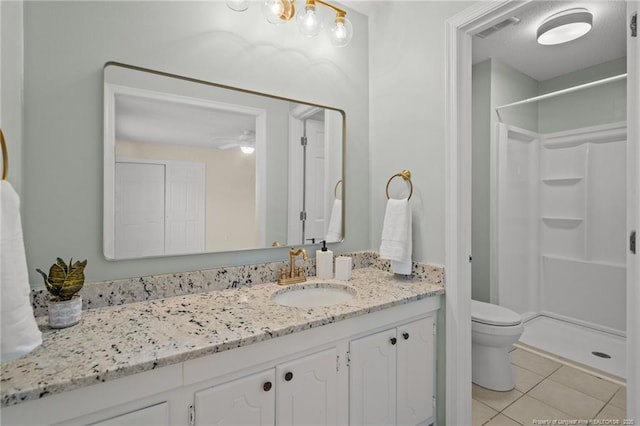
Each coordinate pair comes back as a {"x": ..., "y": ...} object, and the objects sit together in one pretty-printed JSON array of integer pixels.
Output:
[
  {"x": 288, "y": 376},
  {"x": 393, "y": 340},
  {"x": 405, "y": 335},
  {"x": 266, "y": 386}
]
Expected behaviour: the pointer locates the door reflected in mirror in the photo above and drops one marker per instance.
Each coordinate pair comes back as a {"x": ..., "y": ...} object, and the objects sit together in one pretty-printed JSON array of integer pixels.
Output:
[{"x": 195, "y": 167}]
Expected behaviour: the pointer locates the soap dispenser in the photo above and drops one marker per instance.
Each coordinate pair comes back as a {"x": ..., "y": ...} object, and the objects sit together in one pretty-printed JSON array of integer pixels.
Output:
[{"x": 324, "y": 262}]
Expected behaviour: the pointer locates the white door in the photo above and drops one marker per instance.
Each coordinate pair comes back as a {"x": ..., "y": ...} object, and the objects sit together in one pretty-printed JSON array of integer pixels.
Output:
[
  {"x": 415, "y": 372},
  {"x": 139, "y": 210},
  {"x": 372, "y": 379},
  {"x": 316, "y": 224},
  {"x": 246, "y": 401},
  {"x": 185, "y": 208},
  {"x": 307, "y": 390},
  {"x": 633, "y": 216}
]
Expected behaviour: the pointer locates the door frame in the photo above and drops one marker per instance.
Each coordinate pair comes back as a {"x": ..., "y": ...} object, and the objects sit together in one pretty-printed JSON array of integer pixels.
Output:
[{"x": 458, "y": 51}]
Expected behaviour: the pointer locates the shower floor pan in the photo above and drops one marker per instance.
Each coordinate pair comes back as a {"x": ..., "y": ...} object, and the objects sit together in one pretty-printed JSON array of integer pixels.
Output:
[{"x": 577, "y": 343}]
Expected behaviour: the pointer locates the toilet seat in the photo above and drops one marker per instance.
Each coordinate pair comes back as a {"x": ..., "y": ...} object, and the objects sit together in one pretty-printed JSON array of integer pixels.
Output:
[{"x": 494, "y": 315}]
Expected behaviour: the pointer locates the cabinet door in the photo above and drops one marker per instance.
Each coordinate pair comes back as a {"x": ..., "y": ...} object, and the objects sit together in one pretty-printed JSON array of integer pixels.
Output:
[
  {"x": 155, "y": 415},
  {"x": 415, "y": 372},
  {"x": 307, "y": 390},
  {"x": 246, "y": 401},
  {"x": 372, "y": 379}
]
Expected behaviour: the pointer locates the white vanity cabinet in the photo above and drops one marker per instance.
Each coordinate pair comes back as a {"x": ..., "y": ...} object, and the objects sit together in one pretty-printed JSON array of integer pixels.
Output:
[
  {"x": 246, "y": 401},
  {"x": 299, "y": 392},
  {"x": 391, "y": 376},
  {"x": 157, "y": 415},
  {"x": 306, "y": 390},
  {"x": 373, "y": 369}
]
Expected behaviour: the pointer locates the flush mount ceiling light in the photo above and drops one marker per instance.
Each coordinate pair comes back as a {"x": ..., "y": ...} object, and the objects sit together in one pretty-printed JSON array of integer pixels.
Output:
[
  {"x": 565, "y": 26},
  {"x": 308, "y": 21}
]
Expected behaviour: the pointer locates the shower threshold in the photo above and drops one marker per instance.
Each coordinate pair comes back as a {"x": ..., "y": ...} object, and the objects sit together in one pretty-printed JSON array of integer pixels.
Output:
[{"x": 576, "y": 343}]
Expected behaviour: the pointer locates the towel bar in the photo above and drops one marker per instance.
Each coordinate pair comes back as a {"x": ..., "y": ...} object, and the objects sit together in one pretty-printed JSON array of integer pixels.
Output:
[
  {"x": 5, "y": 156},
  {"x": 335, "y": 189},
  {"x": 406, "y": 175}
]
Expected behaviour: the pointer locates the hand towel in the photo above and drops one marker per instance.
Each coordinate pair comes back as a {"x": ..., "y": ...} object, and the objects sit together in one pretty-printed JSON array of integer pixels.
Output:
[
  {"x": 396, "y": 236},
  {"x": 18, "y": 328},
  {"x": 334, "y": 231}
]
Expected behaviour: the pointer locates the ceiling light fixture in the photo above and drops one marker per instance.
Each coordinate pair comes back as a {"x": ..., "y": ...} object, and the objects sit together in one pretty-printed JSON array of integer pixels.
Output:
[
  {"x": 247, "y": 149},
  {"x": 308, "y": 21},
  {"x": 565, "y": 26}
]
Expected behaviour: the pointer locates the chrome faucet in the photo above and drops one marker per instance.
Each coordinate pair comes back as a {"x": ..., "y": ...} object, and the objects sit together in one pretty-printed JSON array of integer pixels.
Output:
[{"x": 293, "y": 275}]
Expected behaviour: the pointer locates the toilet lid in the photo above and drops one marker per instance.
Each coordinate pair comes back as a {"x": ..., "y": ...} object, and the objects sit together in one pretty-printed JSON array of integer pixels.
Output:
[{"x": 487, "y": 313}]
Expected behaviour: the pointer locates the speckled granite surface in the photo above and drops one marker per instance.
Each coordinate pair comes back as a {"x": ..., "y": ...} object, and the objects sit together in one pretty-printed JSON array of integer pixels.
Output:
[
  {"x": 118, "y": 292},
  {"x": 116, "y": 341}
]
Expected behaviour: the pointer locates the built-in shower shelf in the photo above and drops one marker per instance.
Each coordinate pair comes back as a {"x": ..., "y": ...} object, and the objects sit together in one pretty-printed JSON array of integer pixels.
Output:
[
  {"x": 568, "y": 180},
  {"x": 562, "y": 221}
]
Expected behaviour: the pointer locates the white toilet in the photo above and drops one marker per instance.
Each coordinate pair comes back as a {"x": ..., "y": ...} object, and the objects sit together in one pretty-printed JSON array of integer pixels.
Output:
[{"x": 493, "y": 330}]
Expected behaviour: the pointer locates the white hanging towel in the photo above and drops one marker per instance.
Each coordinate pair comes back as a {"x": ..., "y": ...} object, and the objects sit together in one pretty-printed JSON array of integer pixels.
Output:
[
  {"x": 18, "y": 328},
  {"x": 334, "y": 231},
  {"x": 396, "y": 236}
]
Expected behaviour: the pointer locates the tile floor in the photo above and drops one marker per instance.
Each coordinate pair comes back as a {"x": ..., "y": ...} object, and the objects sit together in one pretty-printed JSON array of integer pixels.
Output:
[{"x": 547, "y": 390}]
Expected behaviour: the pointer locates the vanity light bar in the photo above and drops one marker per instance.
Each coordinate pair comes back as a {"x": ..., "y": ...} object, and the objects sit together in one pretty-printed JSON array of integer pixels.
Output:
[{"x": 281, "y": 11}]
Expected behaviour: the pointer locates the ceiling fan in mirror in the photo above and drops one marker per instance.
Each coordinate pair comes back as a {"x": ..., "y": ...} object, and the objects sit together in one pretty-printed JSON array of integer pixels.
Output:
[{"x": 246, "y": 141}]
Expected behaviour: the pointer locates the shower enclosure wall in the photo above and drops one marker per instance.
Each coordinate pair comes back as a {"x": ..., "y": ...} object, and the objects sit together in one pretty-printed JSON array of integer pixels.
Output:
[{"x": 561, "y": 222}]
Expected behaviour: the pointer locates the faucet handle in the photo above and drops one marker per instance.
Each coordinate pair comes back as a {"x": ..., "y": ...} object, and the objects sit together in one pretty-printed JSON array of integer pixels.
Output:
[{"x": 300, "y": 271}]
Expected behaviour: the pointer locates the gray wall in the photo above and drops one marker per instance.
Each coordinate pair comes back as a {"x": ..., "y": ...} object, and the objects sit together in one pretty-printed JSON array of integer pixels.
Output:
[
  {"x": 407, "y": 60},
  {"x": 481, "y": 134},
  {"x": 598, "y": 105},
  {"x": 11, "y": 53},
  {"x": 66, "y": 46}
]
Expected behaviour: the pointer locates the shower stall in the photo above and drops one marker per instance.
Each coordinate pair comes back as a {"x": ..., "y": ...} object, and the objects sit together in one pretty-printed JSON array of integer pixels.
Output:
[{"x": 560, "y": 234}]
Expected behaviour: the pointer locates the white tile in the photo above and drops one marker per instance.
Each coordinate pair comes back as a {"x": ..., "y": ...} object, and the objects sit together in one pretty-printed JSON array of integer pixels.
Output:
[
  {"x": 586, "y": 383},
  {"x": 610, "y": 412},
  {"x": 620, "y": 398},
  {"x": 494, "y": 399},
  {"x": 481, "y": 413},
  {"x": 526, "y": 409},
  {"x": 533, "y": 362},
  {"x": 502, "y": 420},
  {"x": 569, "y": 400},
  {"x": 525, "y": 379}
]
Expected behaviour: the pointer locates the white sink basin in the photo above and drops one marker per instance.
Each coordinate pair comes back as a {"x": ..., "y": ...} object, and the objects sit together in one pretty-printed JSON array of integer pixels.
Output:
[{"x": 313, "y": 295}]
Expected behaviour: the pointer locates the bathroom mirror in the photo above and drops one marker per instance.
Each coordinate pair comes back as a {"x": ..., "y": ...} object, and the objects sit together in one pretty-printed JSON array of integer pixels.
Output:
[{"x": 192, "y": 166}]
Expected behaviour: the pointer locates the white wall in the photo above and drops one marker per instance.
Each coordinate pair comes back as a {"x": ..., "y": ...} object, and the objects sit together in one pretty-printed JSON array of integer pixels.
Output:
[{"x": 66, "y": 46}]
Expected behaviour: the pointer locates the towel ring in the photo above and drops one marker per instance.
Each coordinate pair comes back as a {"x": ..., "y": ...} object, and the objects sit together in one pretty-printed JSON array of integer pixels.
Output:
[
  {"x": 406, "y": 175},
  {"x": 5, "y": 156},
  {"x": 335, "y": 189}
]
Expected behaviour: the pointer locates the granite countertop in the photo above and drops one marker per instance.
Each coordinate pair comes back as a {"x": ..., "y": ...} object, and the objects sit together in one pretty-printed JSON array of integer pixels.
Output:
[{"x": 116, "y": 341}]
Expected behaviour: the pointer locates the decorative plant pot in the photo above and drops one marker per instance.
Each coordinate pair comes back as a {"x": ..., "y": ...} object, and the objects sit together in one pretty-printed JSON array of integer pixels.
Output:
[{"x": 66, "y": 313}]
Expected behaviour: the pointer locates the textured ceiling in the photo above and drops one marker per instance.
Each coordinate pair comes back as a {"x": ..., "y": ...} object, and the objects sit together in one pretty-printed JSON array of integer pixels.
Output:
[{"x": 516, "y": 45}]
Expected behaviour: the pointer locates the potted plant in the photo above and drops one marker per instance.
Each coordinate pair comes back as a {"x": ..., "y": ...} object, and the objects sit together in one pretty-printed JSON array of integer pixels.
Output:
[{"x": 63, "y": 283}]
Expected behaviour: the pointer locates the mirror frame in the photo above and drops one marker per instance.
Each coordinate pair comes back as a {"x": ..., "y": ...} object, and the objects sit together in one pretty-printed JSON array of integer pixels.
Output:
[{"x": 109, "y": 158}]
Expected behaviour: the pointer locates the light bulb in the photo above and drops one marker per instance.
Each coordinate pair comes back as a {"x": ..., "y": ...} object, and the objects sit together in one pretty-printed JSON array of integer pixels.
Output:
[
  {"x": 238, "y": 5},
  {"x": 247, "y": 149},
  {"x": 277, "y": 11},
  {"x": 308, "y": 21},
  {"x": 341, "y": 32}
]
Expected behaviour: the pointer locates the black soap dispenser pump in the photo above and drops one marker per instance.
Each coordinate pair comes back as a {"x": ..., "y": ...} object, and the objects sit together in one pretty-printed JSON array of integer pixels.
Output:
[{"x": 324, "y": 262}]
